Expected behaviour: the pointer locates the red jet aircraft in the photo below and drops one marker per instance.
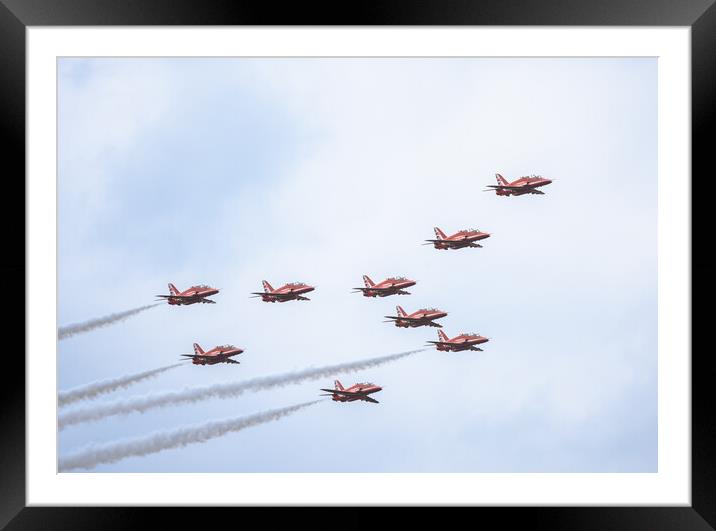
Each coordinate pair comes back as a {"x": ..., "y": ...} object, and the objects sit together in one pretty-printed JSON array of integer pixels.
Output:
[
  {"x": 458, "y": 343},
  {"x": 191, "y": 296},
  {"x": 220, "y": 354},
  {"x": 359, "y": 391},
  {"x": 390, "y": 286},
  {"x": 521, "y": 186},
  {"x": 459, "y": 240},
  {"x": 423, "y": 317},
  {"x": 288, "y": 292}
]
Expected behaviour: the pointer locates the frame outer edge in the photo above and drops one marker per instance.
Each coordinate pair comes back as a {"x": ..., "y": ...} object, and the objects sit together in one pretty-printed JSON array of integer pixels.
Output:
[
  {"x": 703, "y": 116},
  {"x": 368, "y": 12},
  {"x": 12, "y": 105},
  {"x": 12, "y": 389}
]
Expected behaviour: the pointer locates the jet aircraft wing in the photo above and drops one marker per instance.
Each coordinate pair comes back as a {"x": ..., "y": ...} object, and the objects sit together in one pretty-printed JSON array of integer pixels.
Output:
[
  {"x": 354, "y": 395},
  {"x": 407, "y": 318},
  {"x": 506, "y": 187},
  {"x": 210, "y": 358},
  {"x": 428, "y": 322},
  {"x": 345, "y": 393},
  {"x": 187, "y": 297},
  {"x": 376, "y": 288},
  {"x": 275, "y": 295},
  {"x": 462, "y": 241}
]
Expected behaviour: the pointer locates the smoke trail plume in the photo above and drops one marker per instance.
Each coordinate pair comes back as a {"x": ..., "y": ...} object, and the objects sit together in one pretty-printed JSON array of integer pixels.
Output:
[
  {"x": 93, "y": 455},
  {"x": 92, "y": 390},
  {"x": 78, "y": 328},
  {"x": 141, "y": 404}
]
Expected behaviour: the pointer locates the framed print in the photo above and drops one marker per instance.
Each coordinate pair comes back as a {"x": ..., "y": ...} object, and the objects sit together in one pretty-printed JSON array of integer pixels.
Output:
[{"x": 221, "y": 212}]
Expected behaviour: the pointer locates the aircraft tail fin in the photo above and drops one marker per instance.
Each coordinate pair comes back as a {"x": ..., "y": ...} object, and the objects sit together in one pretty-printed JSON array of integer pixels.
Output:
[
  {"x": 440, "y": 235},
  {"x": 401, "y": 312},
  {"x": 267, "y": 286},
  {"x": 173, "y": 289},
  {"x": 442, "y": 335},
  {"x": 368, "y": 282},
  {"x": 198, "y": 351},
  {"x": 501, "y": 180},
  {"x": 339, "y": 385}
]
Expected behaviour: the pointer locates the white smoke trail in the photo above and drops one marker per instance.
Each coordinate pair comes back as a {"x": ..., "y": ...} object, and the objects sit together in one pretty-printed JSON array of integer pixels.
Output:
[
  {"x": 92, "y": 390},
  {"x": 95, "y": 454},
  {"x": 78, "y": 328},
  {"x": 141, "y": 404}
]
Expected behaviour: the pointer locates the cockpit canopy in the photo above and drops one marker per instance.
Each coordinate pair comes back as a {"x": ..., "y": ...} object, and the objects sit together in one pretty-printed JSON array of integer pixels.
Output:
[
  {"x": 397, "y": 278},
  {"x": 202, "y": 286},
  {"x": 226, "y": 347},
  {"x": 366, "y": 384},
  {"x": 296, "y": 284}
]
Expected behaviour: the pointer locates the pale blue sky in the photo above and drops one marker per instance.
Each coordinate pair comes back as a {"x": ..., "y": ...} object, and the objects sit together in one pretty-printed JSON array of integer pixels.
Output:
[{"x": 229, "y": 171}]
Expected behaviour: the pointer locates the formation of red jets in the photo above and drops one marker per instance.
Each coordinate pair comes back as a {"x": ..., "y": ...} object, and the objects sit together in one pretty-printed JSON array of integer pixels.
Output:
[{"x": 390, "y": 286}]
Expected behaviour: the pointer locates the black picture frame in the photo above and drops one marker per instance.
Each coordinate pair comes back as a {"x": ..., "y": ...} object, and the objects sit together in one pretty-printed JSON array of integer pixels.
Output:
[{"x": 16, "y": 15}]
